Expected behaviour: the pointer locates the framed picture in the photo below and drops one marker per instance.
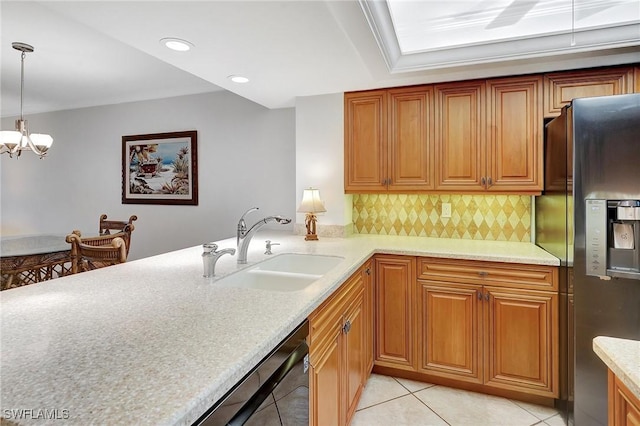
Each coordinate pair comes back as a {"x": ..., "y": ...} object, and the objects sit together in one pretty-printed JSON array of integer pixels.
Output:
[{"x": 160, "y": 168}]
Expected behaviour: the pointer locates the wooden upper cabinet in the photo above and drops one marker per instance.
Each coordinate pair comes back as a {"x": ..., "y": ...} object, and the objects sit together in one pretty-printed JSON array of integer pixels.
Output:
[
  {"x": 460, "y": 136},
  {"x": 515, "y": 135},
  {"x": 561, "y": 87},
  {"x": 389, "y": 140},
  {"x": 365, "y": 141},
  {"x": 411, "y": 147}
]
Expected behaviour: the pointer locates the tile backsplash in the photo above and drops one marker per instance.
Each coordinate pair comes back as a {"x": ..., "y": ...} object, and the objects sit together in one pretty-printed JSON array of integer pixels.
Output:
[{"x": 476, "y": 217}]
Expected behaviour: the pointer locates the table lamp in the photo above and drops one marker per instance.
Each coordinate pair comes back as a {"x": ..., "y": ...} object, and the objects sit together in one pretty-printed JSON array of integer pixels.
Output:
[{"x": 311, "y": 204}]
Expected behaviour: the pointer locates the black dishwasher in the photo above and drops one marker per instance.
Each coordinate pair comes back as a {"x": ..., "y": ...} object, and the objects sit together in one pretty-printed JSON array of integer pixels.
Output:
[{"x": 275, "y": 392}]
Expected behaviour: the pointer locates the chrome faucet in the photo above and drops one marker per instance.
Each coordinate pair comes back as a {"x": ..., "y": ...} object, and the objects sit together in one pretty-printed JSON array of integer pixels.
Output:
[
  {"x": 244, "y": 235},
  {"x": 210, "y": 257}
]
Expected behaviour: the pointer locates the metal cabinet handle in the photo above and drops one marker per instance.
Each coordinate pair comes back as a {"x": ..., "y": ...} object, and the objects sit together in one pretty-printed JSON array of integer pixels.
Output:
[
  {"x": 489, "y": 182},
  {"x": 480, "y": 295},
  {"x": 483, "y": 274},
  {"x": 367, "y": 271},
  {"x": 347, "y": 327},
  {"x": 483, "y": 181},
  {"x": 486, "y": 296}
]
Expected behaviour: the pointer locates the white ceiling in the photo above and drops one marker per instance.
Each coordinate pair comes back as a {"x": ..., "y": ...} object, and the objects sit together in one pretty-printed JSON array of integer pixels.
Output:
[{"x": 91, "y": 53}]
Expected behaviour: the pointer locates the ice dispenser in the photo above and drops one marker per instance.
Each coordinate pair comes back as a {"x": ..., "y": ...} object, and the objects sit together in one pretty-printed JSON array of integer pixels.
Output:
[{"x": 613, "y": 238}]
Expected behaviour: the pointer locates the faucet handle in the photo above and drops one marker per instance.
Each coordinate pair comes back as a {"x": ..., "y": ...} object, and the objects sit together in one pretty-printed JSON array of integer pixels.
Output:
[
  {"x": 268, "y": 246},
  {"x": 209, "y": 247}
]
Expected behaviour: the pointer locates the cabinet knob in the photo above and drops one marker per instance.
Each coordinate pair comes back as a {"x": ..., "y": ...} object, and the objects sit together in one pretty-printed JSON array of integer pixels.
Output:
[{"x": 347, "y": 327}]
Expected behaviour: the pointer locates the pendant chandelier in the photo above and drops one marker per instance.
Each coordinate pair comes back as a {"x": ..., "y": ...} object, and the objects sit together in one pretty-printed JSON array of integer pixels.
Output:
[{"x": 15, "y": 141}]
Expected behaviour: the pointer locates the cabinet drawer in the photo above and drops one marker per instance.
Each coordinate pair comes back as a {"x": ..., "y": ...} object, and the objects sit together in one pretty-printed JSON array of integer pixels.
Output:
[
  {"x": 535, "y": 277},
  {"x": 324, "y": 319}
]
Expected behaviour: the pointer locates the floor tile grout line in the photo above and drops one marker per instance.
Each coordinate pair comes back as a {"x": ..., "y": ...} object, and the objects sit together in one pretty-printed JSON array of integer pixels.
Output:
[
  {"x": 382, "y": 402},
  {"x": 429, "y": 385},
  {"x": 429, "y": 408},
  {"x": 432, "y": 386},
  {"x": 533, "y": 414}
]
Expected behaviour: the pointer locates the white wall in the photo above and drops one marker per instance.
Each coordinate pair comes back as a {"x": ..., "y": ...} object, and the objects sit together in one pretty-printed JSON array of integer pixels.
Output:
[
  {"x": 246, "y": 158},
  {"x": 320, "y": 156}
]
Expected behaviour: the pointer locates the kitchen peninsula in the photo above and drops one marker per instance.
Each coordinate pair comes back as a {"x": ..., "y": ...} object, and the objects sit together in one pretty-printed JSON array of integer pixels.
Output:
[{"x": 153, "y": 342}]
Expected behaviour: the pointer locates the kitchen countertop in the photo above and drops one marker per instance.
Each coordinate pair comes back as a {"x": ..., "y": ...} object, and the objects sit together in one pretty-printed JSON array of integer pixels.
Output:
[
  {"x": 622, "y": 356},
  {"x": 153, "y": 342}
]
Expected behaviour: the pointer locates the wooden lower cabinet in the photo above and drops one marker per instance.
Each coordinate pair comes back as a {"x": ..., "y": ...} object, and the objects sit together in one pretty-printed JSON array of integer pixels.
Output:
[
  {"x": 368, "y": 276},
  {"x": 521, "y": 340},
  {"x": 394, "y": 311},
  {"x": 337, "y": 354},
  {"x": 325, "y": 383},
  {"x": 498, "y": 336},
  {"x": 623, "y": 407},
  {"x": 449, "y": 323}
]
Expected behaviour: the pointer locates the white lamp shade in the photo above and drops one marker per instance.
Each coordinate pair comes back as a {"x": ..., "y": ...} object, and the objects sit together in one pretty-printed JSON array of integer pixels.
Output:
[
  {"x": 41, "y": 139},
  {"x": 311, "y": 202},
  {"x": 10, "y": 137}
]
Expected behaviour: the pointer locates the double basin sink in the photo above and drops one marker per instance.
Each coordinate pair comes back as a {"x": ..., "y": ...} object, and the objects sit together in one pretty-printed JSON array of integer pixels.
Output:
[{"x": 284, "y": 272}]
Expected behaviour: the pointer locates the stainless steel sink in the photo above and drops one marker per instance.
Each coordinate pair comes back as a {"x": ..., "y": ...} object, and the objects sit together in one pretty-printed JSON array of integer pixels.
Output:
[{"x": 285, "y": 272}]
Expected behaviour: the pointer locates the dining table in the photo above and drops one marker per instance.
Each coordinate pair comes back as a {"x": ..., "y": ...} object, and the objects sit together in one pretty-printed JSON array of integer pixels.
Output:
[{"x": 28, "y": 259}]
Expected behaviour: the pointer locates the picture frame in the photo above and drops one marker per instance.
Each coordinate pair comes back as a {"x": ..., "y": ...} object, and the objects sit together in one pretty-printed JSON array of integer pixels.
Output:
[{"x": 160, "y": 168}]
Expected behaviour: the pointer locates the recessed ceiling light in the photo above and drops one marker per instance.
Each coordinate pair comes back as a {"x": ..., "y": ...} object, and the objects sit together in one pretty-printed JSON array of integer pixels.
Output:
[
  {"x": 238, "y": 79},
  {"x": 177, "y": 44}
]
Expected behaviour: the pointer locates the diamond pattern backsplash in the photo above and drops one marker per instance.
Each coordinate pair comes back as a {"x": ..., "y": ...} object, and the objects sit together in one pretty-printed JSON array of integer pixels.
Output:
[{"x": 476, "y": 217}]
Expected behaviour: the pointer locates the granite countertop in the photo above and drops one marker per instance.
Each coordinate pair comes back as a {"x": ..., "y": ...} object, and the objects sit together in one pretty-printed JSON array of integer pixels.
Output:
[
  {"x": 153, "y": 342},
  {"x": 622, "y": 356}
]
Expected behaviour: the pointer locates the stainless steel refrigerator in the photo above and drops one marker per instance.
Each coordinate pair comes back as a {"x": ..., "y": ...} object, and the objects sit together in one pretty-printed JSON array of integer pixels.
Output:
[{"x": 589, "y": 217}]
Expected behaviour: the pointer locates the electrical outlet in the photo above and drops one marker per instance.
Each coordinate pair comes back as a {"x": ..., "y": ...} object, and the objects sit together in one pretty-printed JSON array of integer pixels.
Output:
[{"x": 446, "y": 209}]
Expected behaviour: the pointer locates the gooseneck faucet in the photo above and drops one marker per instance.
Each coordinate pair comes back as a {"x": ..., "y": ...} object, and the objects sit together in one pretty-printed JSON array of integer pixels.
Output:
[{"x": 245, "y": 235}]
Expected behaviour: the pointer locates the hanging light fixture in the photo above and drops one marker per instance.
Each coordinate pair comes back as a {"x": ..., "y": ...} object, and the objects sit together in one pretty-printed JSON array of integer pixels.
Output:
[{"x": 15, "y": 141}]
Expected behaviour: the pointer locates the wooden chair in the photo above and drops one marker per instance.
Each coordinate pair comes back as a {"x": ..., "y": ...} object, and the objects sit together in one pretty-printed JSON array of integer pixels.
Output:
[
  {"x": 106, "y": 226},
  {"x": 96, "y": 252},
  {"x": 118, "y": 226}
]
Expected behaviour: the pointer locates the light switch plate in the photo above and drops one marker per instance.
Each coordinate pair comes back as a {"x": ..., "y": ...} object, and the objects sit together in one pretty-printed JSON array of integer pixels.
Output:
[{"x": 446, "y": 209}]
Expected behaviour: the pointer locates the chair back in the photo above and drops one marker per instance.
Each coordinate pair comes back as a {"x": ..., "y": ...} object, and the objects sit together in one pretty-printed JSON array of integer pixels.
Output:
[
  {"x": 107, "y": 226},
  {"x": 96, "y": 252}
]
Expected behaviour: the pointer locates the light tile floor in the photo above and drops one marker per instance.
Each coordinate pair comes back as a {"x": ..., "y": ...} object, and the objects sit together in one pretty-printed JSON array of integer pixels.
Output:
[{"x": 399, "y": 402}]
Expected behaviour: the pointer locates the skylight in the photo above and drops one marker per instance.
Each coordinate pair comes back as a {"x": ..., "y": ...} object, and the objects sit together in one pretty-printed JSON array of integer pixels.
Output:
[
  {"x": 428, "y": 25},
  {"x": 424, "y": 34}
]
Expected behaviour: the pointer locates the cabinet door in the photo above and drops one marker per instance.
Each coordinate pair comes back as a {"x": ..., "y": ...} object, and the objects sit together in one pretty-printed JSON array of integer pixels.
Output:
[
  {"x": 365, "y": 139},
  {"x": 521, "y": 341},
  {"x": 515, "y": 135},
  {"x": 560, "y": 88},
  {"x": 460, "y": 136},
  {"x": 325, "y": 381},
  {"x": 353, "y": 334},
  {"x": 624, "y": 407},
  {"x": 411, "y": 139},
  {"x": 368, "y": 309},
  {"x": 449, "y": 330},
  {"x": 636, "y": 84},
  {"x": 394, "y": 334}
]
